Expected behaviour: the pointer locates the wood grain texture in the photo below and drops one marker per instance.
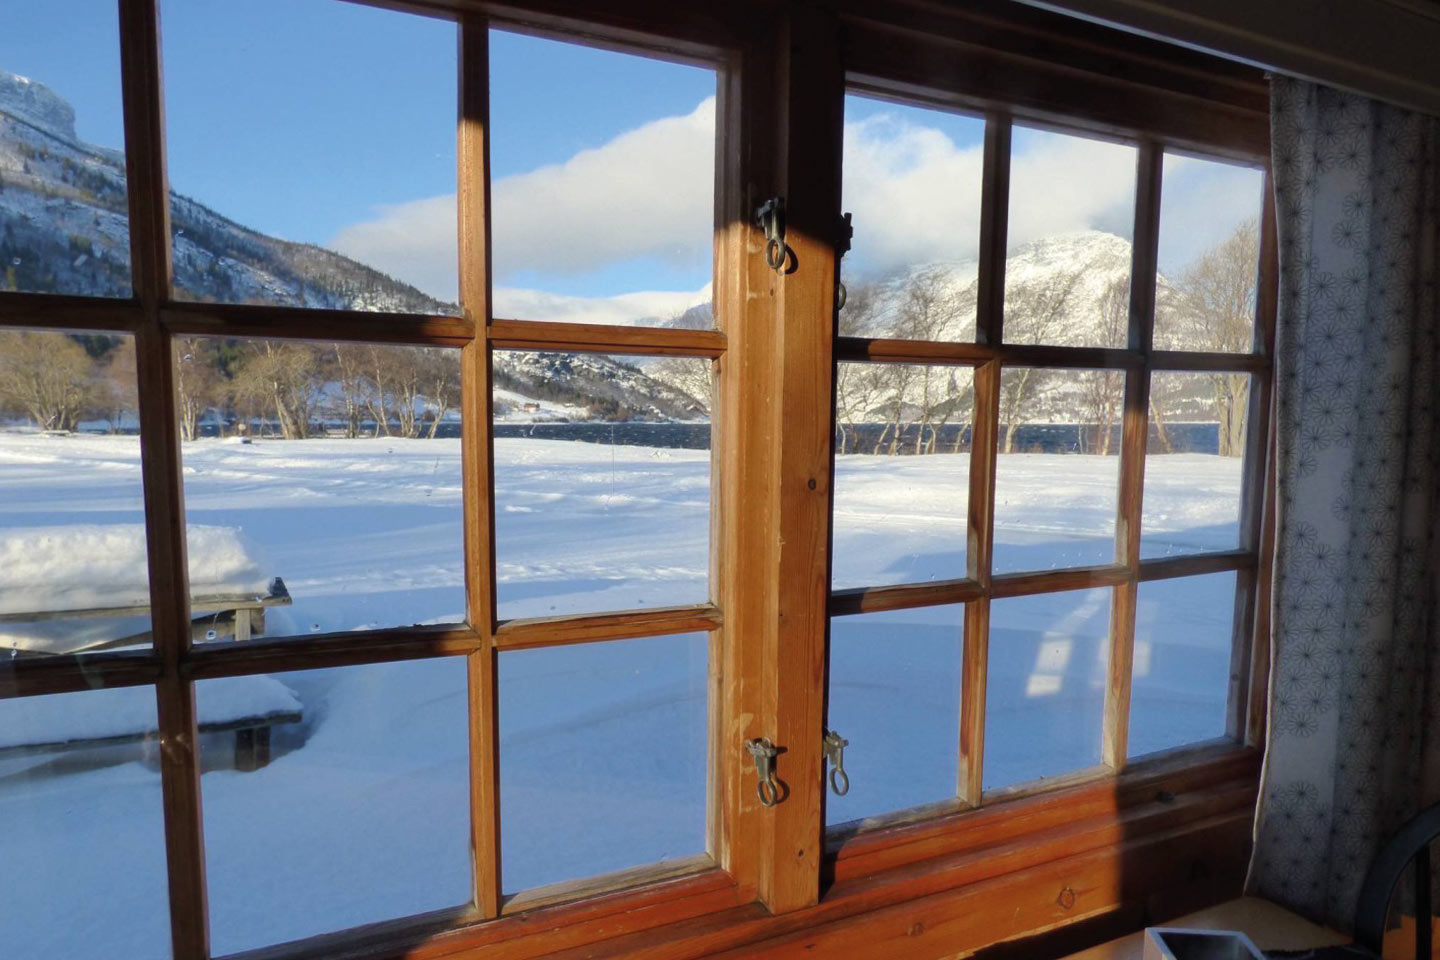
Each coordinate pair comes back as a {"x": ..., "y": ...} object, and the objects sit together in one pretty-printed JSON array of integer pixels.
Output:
[
  {"x": 151, "y": 270},
  {"x": 315, "y": 324},
  {"x": 477, "y": 460},
  {"x": 903, "y": 596},
  {"x": 48, "y": 311},
  {"x": 591, "y": 628},
  {"x": 603, "y": 338}
]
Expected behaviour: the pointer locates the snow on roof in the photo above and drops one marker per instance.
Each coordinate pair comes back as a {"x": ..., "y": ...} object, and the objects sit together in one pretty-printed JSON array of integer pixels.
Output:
[{"x": 86, "y": 566}]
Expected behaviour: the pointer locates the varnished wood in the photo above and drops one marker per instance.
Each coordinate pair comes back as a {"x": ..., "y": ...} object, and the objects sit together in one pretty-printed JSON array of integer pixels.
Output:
[
  {"x": 477, "y": 461},
  {"x": 1134, "y": 439},
  {"x": 40, "y": 676},
  {"x": 48, "y": 311},
  {"x": 952, "y": 353},
  {"x": 590, "y": 628},
  {"x": 1195, "y": 564},
  {"x": 1050, "y": 581},
  {"x": 994, "y": 227},
  {"x": 1183, "y": 360},
  {"x": 315, "y": 324},
  {"x": 318, "y": 651},
  {"x": 151, "y": 270},
  {"x": 903, "y": 597},
  {"x": 604, "y": 338},
  {"x": 980, "y": 542}
]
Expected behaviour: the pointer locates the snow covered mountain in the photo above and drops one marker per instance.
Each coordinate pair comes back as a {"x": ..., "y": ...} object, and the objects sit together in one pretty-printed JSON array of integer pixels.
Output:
[{"x": 64, "y": 229}]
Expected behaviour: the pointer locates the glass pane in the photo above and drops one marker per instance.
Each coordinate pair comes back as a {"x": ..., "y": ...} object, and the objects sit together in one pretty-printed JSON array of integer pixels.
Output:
[
  {"x": 1045, "y": 696},
  {"x": 895, "y": 695},
  {"x": 322, "y": 486},
  {"x": 602, "y": 482},
  {"x": 1194, "y": 463},
  {"x": 73, "y": 575},
  {"x": 603, "y": 757},
  {"x": 1181, "y": 686},
  {"x": 64, "y": 223},
  {"x": 311, "y": 149},
  {"x": 1072, "y": 213},
  {"x": 602, "y": 185},
  {"x": 83, "y": 842},
  {"x": 1209, "y": 255},
  {"x": 902, "y": 473},
  {"x": 334, "y": 798},
  {"x": 911, "y": 179},
  {"x": 1058, "y": 474}
]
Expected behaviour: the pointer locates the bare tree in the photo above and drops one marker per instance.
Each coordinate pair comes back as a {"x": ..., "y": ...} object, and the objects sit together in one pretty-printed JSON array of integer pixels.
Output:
[
  {"x": 286, "y": 379},
  {"x": 198, "y": 384},
  {"x": 1217, "y": 313},
  {"x": 347, "y": 370},
  {"x": 440, "y": 373},
  {"x": 1036, "y": 311},
  {"x": 46, "y": 376},
  {"x": 1104, "y": 390},
  {"x": 119, "y": 383}
]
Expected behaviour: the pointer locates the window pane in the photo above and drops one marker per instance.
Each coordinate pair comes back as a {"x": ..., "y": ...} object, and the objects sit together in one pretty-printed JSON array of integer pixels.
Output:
[
  {"x": 1045, "y": 698},
  {"x": 602, "y": 185},
  {"x": 603, "y": 757},
  {"x": 1209, "y": 255},
  {"x": 1194, "y": 463},
  {"x": 902, "y": 472},
  {"x": 311, "y": 149},
  {"x": 73, "y": 575},
  {"x": 83, "y": 842},
  {"x": 912, "y": 181},
  {"x": 1183, "y": 639},
  {"x": 602, "y": 482},
  {"x": 334, "y": 468},
  {"x": 362, "y": 812},
  {"x": 64, "y": 223},
  {"x": 1058, "y": 475},
  {"x": 1072, "y": 213},
  {"x": 895, "y": 695}
]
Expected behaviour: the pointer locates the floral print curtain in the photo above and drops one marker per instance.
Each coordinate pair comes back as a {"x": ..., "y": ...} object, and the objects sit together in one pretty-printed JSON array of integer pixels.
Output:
[{"x": 1354, "y": 738}]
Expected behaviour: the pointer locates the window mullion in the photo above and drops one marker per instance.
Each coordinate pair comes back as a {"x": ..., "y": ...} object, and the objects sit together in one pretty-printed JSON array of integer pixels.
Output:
[
  {"x": 1135, "y": 427},
  {"x": 151, "y": 268},
  {"x": 477, "y": 460},
  {"x": 989, "y": 326}
]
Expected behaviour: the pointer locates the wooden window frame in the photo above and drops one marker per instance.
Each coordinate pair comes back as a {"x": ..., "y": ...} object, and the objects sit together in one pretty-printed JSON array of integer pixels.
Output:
[{"x": 771, "y": 877}]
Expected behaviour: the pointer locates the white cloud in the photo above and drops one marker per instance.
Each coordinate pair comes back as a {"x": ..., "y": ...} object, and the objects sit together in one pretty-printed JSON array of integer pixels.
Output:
[
  {"x": 914, "y": 193},
  {"x": 648, "y": 193}
]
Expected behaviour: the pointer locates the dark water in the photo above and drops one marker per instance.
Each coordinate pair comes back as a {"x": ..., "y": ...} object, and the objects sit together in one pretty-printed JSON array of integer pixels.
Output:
[{"x": 1029, "y": 438}]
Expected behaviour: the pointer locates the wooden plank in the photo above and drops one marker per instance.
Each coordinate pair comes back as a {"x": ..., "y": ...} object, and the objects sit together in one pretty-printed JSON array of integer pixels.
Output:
[
  {"x": 1050, "y": 581},
  {"x": 321, "y": 651},
  {"x": 604, "y": 338},
  {"x": 1195, "y": 564},
  {"x": 315, "y": 324},
  {"x": 48, "y": 311},
  {"x": 979, "y": 551},
  {"x": 941, "y": 352},
  {"x": 903, "y": 597},
  {"x": 891, "y": 350},
  {"x": 151, "y": 271},
  {"x": 477, "y": 461},
  {"x": 811, "y": 120},
  {"x": 590, "y": 628},
  {"x": 569, "y": 891},
  {"x": 1183, "y": 360},
  {"x": 994, "y": 227},
  {"x": 68, "y": 673},
  {"x": 1134, "y": 438}
]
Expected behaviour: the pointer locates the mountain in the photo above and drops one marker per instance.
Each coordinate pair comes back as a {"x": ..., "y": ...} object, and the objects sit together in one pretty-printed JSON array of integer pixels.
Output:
[{"x": 64, "y": 229}]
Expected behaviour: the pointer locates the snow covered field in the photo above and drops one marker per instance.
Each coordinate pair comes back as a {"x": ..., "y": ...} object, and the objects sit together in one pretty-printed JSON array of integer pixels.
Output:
[{"x": 362, "y": 815}]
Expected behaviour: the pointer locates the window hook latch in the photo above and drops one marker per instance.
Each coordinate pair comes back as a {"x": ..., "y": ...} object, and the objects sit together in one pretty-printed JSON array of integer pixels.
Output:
[
  {"x": 835, "y": 745},
  {"x": 770, "y": 217},
  {"x": 842, "y": 246},
  {"x": 764, "y": 753}
]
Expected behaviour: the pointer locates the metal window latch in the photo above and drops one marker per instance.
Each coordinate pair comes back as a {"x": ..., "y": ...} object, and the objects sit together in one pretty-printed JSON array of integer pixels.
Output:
[
  {"x": 764, "y": 753},
  {"x": 835, "y": 754},
  {"x": 842, "y": 247},
  {"x": 770, "y": 217}
]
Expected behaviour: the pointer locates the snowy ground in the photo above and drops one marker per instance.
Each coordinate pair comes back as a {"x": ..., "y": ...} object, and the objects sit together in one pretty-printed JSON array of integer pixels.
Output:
[{"x": 363, "y": 814}]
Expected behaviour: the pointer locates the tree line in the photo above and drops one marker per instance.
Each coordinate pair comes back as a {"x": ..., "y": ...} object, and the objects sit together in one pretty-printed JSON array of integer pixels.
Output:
[{"x": 291, "y": 390}]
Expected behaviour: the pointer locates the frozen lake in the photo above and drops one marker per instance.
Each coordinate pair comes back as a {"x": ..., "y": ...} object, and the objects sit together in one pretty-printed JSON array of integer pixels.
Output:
[{"x": 362, "y": 815}]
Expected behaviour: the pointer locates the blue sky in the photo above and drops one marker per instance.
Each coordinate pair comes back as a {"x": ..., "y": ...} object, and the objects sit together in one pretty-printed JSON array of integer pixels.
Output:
[{"x": 333, "y": 123}]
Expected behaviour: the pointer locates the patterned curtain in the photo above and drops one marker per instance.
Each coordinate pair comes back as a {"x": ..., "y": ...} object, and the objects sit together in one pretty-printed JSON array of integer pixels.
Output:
[{"x": 1354, "y": 739}]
